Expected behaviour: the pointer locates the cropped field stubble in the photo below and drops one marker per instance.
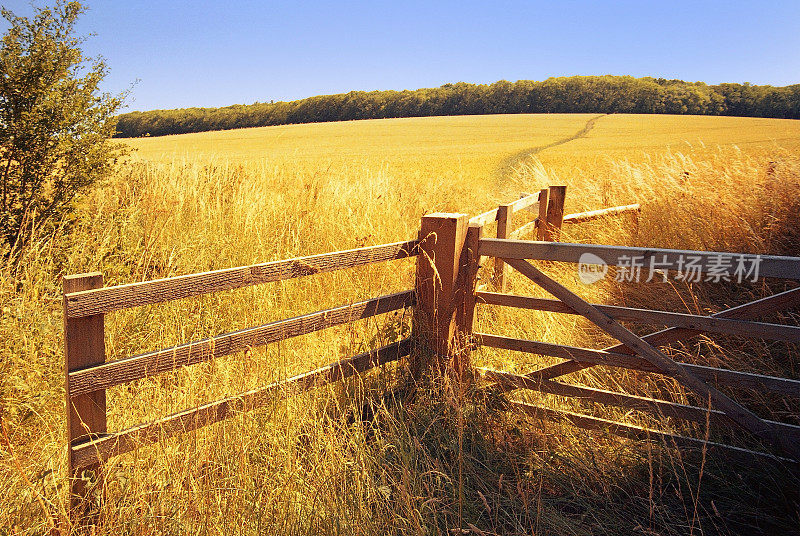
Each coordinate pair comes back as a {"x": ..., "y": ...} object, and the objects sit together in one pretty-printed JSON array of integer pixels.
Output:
[{"x": 311, "y": 464}]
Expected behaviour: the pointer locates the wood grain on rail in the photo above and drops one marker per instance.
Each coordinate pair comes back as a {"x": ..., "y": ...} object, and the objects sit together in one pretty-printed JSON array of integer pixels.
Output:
[
  {"x": 755, "y": 266},
  {"x": 109, "y": 299},
  {"x": 639, "y": 433},
  {"x": 105, "y": 447},
  {"x": 743, "y": 328},
  {"x": 152, "y": 363},
  {"x": 529, "y": 202},
  {"x": 581, "y": 217},
  {"x": 732, "y": 378},
  {"x": 661, "y": 408},
  {"x": 485, "y": 218}
]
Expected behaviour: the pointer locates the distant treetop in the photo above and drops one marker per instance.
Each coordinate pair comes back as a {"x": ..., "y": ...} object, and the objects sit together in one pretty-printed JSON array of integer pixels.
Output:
[{"x": 576, "y": 94}]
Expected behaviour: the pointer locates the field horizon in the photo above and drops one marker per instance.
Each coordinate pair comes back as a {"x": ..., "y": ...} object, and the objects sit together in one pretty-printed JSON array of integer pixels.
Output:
[{"x": 565, "y": 94}]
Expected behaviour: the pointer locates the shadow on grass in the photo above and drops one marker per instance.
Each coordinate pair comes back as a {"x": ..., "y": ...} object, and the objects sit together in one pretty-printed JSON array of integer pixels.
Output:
[{"x": 442, "y": 463}]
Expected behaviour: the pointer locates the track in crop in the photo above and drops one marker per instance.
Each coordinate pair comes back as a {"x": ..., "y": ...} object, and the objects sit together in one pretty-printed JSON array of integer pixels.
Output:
[{"x": 510, "y": 163}]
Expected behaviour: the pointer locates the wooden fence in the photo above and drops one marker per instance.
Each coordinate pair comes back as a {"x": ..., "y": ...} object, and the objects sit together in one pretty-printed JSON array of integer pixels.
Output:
[
  {"x": 88, "y": 375},
  {"x": 548, "y": 205},
  {"x": 449, "y": 252}
]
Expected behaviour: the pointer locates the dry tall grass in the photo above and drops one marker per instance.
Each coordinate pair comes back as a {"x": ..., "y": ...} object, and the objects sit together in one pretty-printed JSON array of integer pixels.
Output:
[{"x": 311, "y": 464}]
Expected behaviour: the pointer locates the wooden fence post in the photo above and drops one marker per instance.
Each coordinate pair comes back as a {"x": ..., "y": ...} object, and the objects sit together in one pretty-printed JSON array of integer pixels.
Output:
[
  {"x": 84, "y": 345},
  {"x": 505, "y": 216},
  {"x": 466, "y": 283},
  {"x": 555, "y": 213},
  {"x": 541, "y": 230},
  {"x": 445, "y": 285}
]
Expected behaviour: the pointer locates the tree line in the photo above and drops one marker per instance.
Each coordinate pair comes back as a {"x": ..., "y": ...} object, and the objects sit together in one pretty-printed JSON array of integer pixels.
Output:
[{"x": 591, "y": 94}]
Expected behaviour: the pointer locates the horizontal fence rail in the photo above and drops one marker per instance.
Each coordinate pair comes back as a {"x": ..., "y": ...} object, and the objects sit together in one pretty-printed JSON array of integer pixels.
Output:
[
  {"x": 110, "y": 445},
  {"x": 730, "y": 378},
  {"x": 485, "y": 218},
  {"x": 528, "y": 202},
  {"x": 640, "y": 433},
  {"x": 742, "y": 328},
  {"x": 107, "y": 299},
  {"x": 549, "y": 207},
  {"x": 152, "y": 363},
  {"x": 721, "y": 263},
  {"x": 622, "y": 400},
  {"x": 581, "y": 217}
]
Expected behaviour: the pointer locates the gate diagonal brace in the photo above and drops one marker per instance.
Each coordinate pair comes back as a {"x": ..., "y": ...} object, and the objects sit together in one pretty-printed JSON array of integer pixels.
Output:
[
  {"x": 738, "y": 413},
  {"x": 745, "y": 311}
]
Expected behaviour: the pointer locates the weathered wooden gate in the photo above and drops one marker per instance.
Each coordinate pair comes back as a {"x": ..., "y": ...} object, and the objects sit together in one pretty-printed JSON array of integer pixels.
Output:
[
  {"x": 642, "y": 353},
  {"x": 452, "y": 250}
]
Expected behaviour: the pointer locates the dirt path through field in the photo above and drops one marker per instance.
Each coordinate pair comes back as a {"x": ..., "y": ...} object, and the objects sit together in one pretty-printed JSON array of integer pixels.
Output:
[{"x": 508, "y": 164}]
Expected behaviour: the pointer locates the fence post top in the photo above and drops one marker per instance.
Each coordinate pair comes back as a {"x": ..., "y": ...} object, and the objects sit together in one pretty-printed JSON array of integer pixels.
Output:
[
  {"x": 446, "y": 215},
  {"x": 81, "y": 276}
]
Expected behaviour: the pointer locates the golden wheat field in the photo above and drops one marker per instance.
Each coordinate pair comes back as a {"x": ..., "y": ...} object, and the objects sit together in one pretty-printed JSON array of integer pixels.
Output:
[{"x": 307, "y": 465}]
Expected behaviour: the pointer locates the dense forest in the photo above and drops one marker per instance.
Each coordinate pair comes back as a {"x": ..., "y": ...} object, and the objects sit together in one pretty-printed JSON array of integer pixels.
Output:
[{"x": 601, "y": 94}]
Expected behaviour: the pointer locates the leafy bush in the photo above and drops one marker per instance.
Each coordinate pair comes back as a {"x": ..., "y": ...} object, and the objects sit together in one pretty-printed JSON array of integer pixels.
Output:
[{"x": 54, "y": 122}]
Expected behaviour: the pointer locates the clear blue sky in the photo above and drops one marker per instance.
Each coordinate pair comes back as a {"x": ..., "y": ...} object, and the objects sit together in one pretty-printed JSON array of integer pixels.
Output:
[{"x": 202, "y": 53}]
